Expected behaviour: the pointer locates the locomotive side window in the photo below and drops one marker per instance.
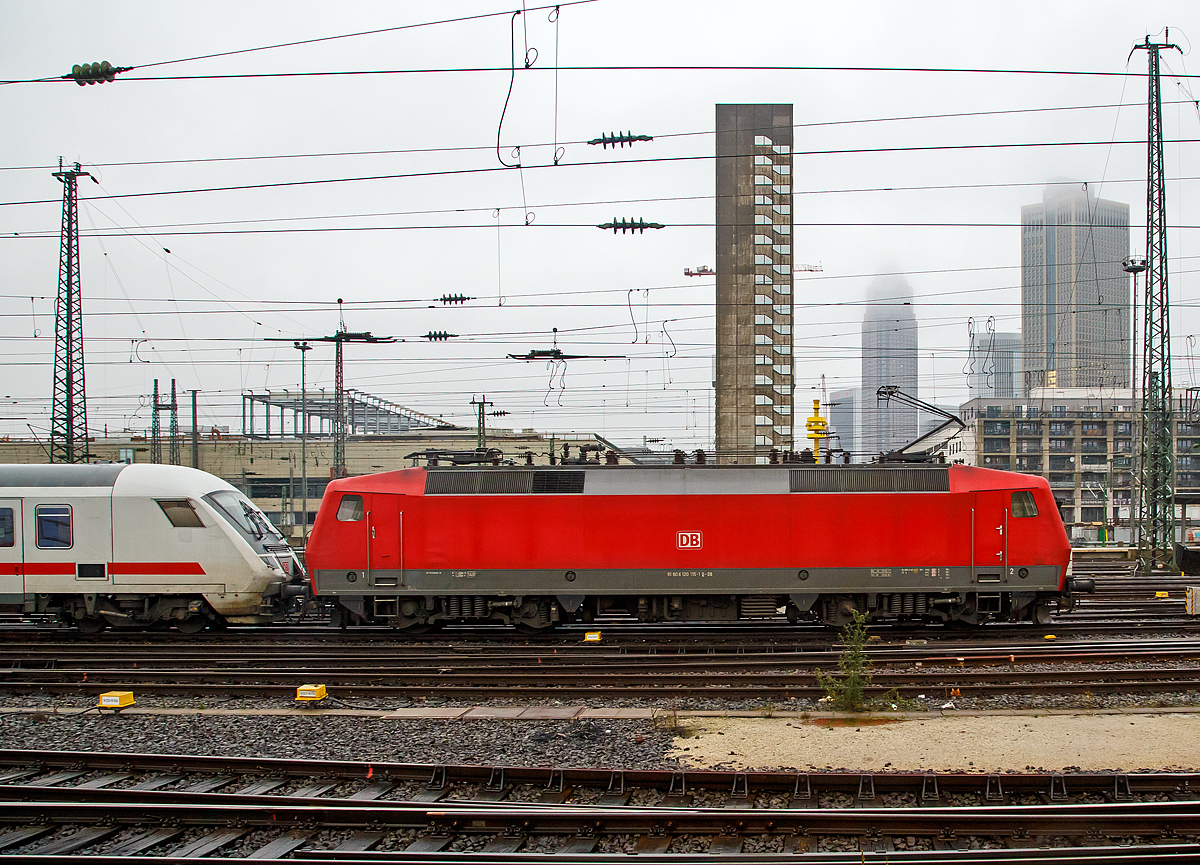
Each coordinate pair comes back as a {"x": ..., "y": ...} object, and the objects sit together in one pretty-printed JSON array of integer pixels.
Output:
[
  {"x": 181, "y": 513},
  {"x": 350, "y": 510},
  {"x": 53, "y": 527},
  {"x": 7, "y": 532},
  {"x": 1023, "y": 504}
]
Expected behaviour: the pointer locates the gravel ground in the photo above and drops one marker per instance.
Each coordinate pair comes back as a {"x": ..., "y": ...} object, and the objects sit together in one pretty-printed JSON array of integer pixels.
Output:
[{"x": 615, "y": 744}]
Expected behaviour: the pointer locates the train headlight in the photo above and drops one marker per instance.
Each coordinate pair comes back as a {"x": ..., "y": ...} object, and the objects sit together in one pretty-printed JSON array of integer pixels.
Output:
[{"x": 272, "y": 562}]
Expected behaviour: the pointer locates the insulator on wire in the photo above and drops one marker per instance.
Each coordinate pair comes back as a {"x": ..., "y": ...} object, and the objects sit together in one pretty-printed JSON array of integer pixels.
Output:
[
  {"x": 619, "y": 139},
  {"x": 95, "y": 73},
  {"x": 632, "y": 225},
  {"x": 439, "y": 336},
  {"x": 449, "y": 299}
]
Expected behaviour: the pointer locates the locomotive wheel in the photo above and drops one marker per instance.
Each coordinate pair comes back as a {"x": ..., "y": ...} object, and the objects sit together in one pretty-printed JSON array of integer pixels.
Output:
[
  {"x": 90, "y": 625},
  {"x": 1042, "y": 614},
  {"x": 191, "y": 625},
  {"x": 524, "y": 628},
  {"x": 417, "y": 628}
]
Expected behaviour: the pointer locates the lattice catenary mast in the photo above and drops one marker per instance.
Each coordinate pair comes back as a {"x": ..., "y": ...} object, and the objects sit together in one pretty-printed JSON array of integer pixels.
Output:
[
  {"x": 68, "y": 414},
  {"x": 156, "y": 454},
  {"x": 342, "y": 336},
  {"x": 1156, "y": 475}
]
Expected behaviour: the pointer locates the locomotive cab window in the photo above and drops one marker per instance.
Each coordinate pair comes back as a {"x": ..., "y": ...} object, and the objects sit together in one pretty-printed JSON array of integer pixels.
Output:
[
  {"x": 181, "y": 513},
  {"x": 7, "y": 528},
  {"x": 1023, "y": 504},
  {"x": 350, "y": 509},
  {"x": 53, "y": 527}
]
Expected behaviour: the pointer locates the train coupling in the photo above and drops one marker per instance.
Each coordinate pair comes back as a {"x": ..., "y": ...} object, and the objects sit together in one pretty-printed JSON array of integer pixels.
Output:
[{"x": 290, "y": 591}]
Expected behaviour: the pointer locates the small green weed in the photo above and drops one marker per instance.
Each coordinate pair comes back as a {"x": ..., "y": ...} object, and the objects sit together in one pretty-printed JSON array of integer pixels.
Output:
[{"x": 847, "y": 692}]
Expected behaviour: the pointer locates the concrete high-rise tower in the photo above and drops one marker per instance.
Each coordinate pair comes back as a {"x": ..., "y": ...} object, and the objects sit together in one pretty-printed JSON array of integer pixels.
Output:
[
  {"x": 889, "y": 357},
  {"x": 754, "y": 282},
  {"x": 1075, "y": 294}
]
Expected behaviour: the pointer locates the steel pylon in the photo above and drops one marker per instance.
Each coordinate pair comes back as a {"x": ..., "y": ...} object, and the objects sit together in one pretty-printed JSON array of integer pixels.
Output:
[
  {"x": 1156, "y": 465},
  {"x": 68, "y": 413}
]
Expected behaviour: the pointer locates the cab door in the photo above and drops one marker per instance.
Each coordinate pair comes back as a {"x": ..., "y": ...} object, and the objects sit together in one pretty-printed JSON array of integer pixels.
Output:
[
  {"x": 12, "y": 553},
  {"x": 384, "y": 543},
  {"x": 991, "y": 536}
]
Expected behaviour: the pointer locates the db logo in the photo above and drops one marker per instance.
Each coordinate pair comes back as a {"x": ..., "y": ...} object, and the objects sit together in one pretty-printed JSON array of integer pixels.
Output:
[{"x": 690, "y": 540}]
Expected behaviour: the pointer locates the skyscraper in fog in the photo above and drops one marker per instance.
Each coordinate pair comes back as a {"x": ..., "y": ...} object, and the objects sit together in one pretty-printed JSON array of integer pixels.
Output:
[
  {"x": 889, "y": 357},
  {"x": 845, "y": 419},
  {"x": 995, "y": 366},
  {"x": 754, "y": 282},
  {"x": 1075, "y": 294}
]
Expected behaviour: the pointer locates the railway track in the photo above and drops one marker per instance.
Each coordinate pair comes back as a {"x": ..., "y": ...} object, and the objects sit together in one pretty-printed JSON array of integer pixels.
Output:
[
  {"x": 472, "y": 672},
  {"x": 138, "y": 807}
]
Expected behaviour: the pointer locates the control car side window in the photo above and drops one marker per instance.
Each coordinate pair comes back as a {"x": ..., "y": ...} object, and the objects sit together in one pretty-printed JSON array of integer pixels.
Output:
[
  {"x": 53, "y": 527},
  {"x": 181, "y": 513},
  {"x": 7, "y": 529}
]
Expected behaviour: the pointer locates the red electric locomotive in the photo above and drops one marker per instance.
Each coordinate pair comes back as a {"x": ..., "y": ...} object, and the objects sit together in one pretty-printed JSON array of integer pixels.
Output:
[{"x": 534, "y": 546}]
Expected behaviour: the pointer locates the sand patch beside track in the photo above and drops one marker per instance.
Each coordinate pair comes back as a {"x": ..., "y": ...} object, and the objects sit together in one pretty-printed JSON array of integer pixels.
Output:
[{"x": 987, "y": 743}]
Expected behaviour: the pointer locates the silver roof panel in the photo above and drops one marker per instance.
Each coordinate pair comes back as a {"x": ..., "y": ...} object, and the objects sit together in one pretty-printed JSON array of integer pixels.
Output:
[{"x": 60, "y": 475}]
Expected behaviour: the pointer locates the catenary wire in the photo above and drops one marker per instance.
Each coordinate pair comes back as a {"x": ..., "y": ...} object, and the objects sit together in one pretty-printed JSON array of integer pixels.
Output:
[
  {"x": 283, "y": 184},
  {"x": 662, "y": 135}
]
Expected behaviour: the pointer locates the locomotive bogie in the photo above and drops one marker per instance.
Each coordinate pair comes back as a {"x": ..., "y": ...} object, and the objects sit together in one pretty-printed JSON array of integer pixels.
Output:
[{"x": 138, "y": 546}]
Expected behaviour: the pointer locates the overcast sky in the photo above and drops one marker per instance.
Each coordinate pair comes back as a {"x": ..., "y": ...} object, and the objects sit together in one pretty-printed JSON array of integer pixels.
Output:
[{"x": 251, "y": 263}]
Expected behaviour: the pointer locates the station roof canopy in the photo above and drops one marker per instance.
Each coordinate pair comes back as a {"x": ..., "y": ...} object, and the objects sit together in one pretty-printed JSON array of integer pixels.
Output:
[{"x": 365, "y": 414}]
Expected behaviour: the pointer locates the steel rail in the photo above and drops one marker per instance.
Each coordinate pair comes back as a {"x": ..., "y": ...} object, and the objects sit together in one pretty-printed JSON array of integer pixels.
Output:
[
  {"x": 1023, "y": 826},
  {"x": 537, "y": 663},
  {"x": 1053, "y": 784},
  {"x": 1096, "y": 812},
  {"x": 998, "y": 676},
  {"x": 1112, "y": 818},
  {"x": 251, "y": 652}
]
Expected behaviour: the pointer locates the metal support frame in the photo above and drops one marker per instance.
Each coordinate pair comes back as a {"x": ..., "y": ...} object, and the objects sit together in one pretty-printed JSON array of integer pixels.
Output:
[
  {"x": 339, "y": 411},
  {"x": 339, "y": 423},
  {"x": 173, "y": 447},
  {"x": 174, "y": 442},
  {"x": 304, "y": 348},
  {"x": 68, "y": 414},
  {"x": 1156, "y": 476},
  {"x": 155, "y": 429},
  {"x": 481, "y": 429},
  {"x": 195, "y": 434}
]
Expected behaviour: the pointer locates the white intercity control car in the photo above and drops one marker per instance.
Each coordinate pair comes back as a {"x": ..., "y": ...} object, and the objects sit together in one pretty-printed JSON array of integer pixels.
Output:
[{"x": 137, "y": 546}]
